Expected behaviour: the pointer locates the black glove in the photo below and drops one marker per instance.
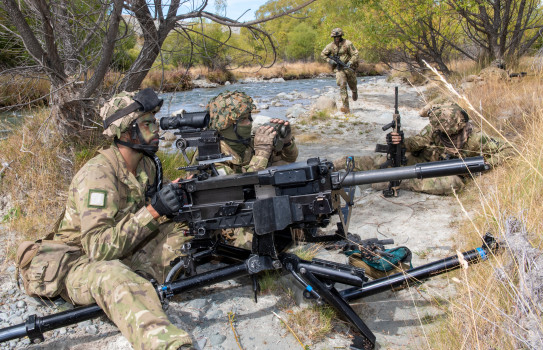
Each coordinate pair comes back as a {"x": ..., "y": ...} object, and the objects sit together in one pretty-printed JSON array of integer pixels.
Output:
[{"x": 168, "y": 200}]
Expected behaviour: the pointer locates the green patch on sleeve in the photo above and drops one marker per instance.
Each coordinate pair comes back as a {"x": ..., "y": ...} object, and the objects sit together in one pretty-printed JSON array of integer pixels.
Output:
[{"x": 97, "y": 199}]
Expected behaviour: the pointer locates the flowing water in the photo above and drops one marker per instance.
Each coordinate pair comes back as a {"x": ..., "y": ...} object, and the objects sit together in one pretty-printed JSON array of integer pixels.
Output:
[
  {"x": 290, "y": 92},
  {"x": 264, "y": 93}
]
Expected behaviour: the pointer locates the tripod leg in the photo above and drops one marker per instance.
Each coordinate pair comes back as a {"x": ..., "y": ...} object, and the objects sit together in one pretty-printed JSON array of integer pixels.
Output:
[{"x": 332, "y": 297}]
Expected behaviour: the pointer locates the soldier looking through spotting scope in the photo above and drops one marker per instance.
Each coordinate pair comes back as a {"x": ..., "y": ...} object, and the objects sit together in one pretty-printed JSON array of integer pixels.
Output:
[{"x": 252, "y": 147}]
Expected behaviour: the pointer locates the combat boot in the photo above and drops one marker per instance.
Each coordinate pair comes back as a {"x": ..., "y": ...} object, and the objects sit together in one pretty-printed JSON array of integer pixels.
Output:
[
  {"x": 345, "y": 110},
  {"x": 355, "y": 95}
]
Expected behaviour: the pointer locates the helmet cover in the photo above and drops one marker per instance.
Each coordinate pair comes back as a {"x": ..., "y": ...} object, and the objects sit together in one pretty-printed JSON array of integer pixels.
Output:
[{"x": 228, "y": 107}]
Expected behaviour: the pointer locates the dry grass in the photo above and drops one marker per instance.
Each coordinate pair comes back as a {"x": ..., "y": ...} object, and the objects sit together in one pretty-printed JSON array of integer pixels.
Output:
[
  {"x": 168, "y": 80},
  {"x": 41, "y": 167},
  {"x": 312, "y": 324},
  {"x": 18, "y": 89},
  {"x": 308, "y": 138},
  {"x": 307, "y": 251},
  {"x": 287, "y": 71},
  {"x": 489, "y": 309}
]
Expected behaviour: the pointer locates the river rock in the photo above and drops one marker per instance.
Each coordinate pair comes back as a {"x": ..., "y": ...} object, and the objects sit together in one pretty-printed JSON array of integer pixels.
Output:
[
  {"x": 21, "y": 304},
  {"x": 217, "y": 339},
  {"x": 264, "y": 106},
  {"x": 169, "y": 136},
  {"x": 324, "y": 102},
  {"x": 197, "y": 304},
  {"x": 276, "y": 80},
  {"x": 15, "y": 320},
  {"x": 92, "y": 329},
  {"x": 226, "y": 83},
  {"x": 202, "y": 83},
  {"x": 250, "y": 80},
  {"x": 295, "y": 111}
]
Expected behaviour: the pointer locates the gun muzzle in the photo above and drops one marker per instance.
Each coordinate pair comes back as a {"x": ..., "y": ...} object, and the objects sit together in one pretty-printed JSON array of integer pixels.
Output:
[{"x": 418, "y": 171}]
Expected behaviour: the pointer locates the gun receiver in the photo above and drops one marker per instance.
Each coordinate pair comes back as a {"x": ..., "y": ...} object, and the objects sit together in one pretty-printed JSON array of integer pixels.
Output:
[
  {"x": 340, "y": 63},
  {"x": 395, "y": 152},
  {"x": 300, "y": 195}
]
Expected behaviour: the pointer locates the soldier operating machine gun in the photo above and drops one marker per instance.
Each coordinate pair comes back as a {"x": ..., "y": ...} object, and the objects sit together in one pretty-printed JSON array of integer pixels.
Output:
[{"x": 273, "y": 201}]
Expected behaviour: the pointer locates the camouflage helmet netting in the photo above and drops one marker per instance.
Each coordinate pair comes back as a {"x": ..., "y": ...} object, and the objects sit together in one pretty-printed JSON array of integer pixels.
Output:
[
  {"x": 450, "y": 119},
  {"x": 227, "y": 107},
  {"x": 336, "y": 32},
  {"x": 117, "y": 102}
]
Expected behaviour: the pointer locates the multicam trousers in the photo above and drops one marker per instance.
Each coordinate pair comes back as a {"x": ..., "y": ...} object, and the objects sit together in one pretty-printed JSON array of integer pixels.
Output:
[
  {"x": 343, "y": 78},
  {"x": 128, "y": 299}
]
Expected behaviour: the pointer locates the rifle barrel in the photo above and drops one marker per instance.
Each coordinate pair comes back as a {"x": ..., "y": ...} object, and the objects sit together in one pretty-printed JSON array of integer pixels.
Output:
[
  {"x": 417, "y": 171},
  {"x": 396, "y": 100}
]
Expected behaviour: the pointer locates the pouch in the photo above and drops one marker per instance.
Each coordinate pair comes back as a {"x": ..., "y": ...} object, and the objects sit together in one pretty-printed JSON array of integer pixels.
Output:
[{"x": 43, "y": 266}]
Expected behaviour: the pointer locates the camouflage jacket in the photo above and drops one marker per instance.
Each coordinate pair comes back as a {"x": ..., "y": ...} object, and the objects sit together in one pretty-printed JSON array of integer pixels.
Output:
[
  {"x": 427, "y": 145},
  {"x": 346, "y": 51},
  {"x": 105, "y": 212},
  {"x": 251, "y": 162}
]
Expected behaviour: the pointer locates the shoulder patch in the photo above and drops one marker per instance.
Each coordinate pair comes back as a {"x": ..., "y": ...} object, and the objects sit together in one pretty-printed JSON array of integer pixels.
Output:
[{"x": 97, "y": 198}]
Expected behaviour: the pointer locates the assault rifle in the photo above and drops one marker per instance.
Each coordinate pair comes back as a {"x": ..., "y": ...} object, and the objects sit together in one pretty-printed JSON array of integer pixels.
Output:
[
  {"x": 395, "y": 153},
  {"x": 340, "y": 63},
  {"x": 303, "y": 195}
]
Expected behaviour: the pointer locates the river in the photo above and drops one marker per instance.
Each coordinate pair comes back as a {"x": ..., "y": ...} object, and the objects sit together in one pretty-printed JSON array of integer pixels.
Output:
[{"x": 264, "y": 93}]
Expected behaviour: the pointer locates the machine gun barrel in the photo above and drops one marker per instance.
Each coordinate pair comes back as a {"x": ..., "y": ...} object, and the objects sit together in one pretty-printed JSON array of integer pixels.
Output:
[{"x": 417, "y": 171}]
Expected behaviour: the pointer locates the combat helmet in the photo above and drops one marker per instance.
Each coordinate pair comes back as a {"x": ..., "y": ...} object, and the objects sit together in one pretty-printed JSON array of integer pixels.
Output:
[
  {"x": 336, "y": 32},
  {"x": 120, "y": 112},
  {"x": 450, "y": 119},
  {"x": 227, "y": 108}
]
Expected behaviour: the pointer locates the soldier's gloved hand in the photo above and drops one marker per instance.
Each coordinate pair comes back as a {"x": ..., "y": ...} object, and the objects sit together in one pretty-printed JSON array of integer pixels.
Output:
[
  {"x": 287, "y": 140},
  {"x": 168, "y": 200},
  {"x": 393, "y": 138},
  {"x": 263, "y": 142},
  {"x": 348, "y": 65},
  {"x": 331, "y": 61}
]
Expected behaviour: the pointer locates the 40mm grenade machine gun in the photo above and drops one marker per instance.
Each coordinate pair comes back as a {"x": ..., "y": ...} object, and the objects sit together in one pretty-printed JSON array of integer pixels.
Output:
[{"x": 304, "y": 195}]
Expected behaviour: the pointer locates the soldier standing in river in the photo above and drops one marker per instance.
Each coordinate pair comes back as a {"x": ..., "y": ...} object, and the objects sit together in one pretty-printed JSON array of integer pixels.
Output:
[{"x": 344, "y": 51}]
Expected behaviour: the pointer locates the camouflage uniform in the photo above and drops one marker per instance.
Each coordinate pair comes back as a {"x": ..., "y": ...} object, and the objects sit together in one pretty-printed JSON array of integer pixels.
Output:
[
  {"x": 431, "y": 144},
  {"x": 106, "y": 216},
  {"x": 226, "y": 109},
  {"x": 348, "y": 54}
]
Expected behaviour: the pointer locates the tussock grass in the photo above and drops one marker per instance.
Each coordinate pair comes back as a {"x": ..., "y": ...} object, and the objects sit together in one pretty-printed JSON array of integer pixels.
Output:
[
  {"x": 312, "y": 324},
  {"x": 295, "y": 70},
  {"x": 491, "y": 310},
  {"x": 308, "y": 138},
  {"x": 18, "y": 89},
  {"x": 168, "y": 80},
  {"x": 307, "y": 251},
  {"x": 41, "y": 165}
]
